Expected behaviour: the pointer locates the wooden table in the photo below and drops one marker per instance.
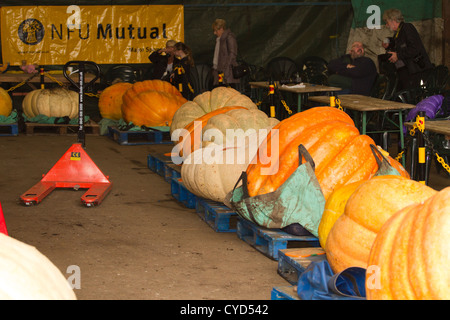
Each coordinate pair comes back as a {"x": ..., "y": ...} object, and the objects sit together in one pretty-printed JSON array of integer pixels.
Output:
[
  {"x": 308, "y": 88},
  {"x": 366, "y": 104},
  {"x": 436, "y": 126}
]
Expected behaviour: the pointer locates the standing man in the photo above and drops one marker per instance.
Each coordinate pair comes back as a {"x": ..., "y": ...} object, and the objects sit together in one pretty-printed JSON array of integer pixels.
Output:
[
  {"x": 353, "y": 72},
  {"x": 408, "y": 55},
  {"x": 225, "y": 54}
]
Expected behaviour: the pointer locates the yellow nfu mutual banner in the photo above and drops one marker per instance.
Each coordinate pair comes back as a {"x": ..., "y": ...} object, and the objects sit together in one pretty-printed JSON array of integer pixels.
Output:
[{"x": 54, "y": 35}]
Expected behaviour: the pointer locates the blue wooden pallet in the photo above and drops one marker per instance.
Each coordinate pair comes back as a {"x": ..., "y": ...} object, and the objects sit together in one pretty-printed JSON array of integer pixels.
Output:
[
  {"x": 270, "y": 241},
  {"x": 293, "y": 262},
  {"x": 130, "y": 138},
  {"x": 217, "y": 215},
  {"x": 8, "y": 130},
  {"x": 157, "y": 163},
  {"x": 171, "y": 171},
  {"x": 182, "y": 194},
  {"x": 284, "y": 293}
]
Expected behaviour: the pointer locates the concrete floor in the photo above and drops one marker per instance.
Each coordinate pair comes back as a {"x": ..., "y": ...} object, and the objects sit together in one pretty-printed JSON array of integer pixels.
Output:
[{"x": 139, "y": 243}]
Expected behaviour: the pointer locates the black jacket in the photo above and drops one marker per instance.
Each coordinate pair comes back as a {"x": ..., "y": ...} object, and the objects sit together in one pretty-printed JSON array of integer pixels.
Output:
[
  {"x": 410, "y": 49},
  {"x": 363, "y": 75},
  {"x": 181, "y": 77},
  {"x": 159, "y": 64}
]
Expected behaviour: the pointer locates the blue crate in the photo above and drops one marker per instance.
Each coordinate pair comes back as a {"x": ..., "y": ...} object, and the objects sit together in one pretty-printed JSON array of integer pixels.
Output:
[
  {"x": 270, "y": 241},
  {"x": 284, "y": 293},
  {"x": 217, "y": 215},
  {"x": 183, "y": 195},
  {"x": 131, "y": 138},
  {"x": 293, "y": 262},
  {"x": 8, "y": 130}
]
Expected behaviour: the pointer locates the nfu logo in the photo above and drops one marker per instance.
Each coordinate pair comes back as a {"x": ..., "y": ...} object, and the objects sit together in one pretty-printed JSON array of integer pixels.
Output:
[{"x": 31, "y": 31}]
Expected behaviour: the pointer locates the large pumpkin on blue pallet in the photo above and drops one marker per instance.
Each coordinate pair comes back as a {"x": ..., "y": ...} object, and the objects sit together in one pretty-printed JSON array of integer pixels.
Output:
[
  {"x": 368, "y": 208},
  {"x": 55, "y": 102},
  {"x": 151, "y": 103},
  {"x": 341, "y": 154},
  {"x": 5, "y": 103}
]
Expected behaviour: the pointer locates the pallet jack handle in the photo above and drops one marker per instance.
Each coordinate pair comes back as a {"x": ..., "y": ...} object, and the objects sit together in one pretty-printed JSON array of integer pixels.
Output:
[{"x": 81, "y": 85}]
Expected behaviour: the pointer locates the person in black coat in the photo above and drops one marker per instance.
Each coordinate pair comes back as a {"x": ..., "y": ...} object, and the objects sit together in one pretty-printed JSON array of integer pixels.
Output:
[
  {"x": 353, "y": 72},
  {"x": 408, "y": 53},
  {"x": 182, "y": 64},
  {"x": 162, "y": 60}
]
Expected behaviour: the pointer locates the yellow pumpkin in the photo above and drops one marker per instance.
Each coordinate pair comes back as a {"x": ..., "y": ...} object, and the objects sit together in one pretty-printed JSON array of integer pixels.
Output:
[
  {"x": 26, "y": 274},
  {"x": 410, "y": 258},
  {"x": 334, "y": 208},
  {"x": 368, "y": 208},
  {"x": 209, "y": 101},
  {"x": 110, "y": 100},
  {"x": 56, "y": 102},
  {"x": 5, "y": 103}
]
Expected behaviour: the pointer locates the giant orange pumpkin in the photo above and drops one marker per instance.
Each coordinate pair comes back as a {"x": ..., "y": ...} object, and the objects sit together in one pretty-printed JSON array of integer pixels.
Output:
[
  {"x": 110, "y": 100},
  {"x": 340, "y": 153},
  {"x": 151, "y": 85},
  {"x": 410, "y": 259},
  {"x": 5, "y": 103},
  {"x": 368, "y": 208},
  {"x": 151, "y": 103}
]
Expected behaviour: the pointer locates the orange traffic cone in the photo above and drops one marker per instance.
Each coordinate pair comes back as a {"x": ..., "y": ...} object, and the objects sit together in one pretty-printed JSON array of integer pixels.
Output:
[{"x": 2, "y": 222}]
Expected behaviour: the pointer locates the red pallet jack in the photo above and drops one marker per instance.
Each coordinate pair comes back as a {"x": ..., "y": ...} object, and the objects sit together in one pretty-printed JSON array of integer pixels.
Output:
[
  {"x": 2, "y": 222},
  {"x": 75, "y": 169}
]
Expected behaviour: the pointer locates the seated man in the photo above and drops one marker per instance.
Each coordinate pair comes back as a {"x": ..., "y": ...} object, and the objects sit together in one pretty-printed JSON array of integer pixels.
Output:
[{"x": 353, "y": 72}]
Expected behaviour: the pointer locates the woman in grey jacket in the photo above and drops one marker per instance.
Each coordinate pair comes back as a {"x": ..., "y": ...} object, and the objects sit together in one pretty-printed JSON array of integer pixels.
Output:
[{"x": 225, "y": 54}]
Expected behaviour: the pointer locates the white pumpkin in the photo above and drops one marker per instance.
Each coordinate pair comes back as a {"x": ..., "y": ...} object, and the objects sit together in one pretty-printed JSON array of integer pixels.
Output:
[
  {"x": 235, "y": 125},
  {"x": 211, "y": 172},
  {"x": 26, "y": 274},
  {"x": 206, "y": 102},
  {"x": 56, "y": 102}
]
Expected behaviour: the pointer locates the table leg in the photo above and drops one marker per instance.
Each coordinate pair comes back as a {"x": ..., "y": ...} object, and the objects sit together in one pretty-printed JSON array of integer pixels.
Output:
[
  {"x": 364, "y": 117},
  {"x": 402, "y": 138},
  {"x": 299, "y": 102}
]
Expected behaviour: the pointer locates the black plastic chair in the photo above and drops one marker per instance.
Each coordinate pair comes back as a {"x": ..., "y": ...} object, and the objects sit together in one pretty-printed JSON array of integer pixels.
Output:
[
  {"x": 282, "y": 69},
  {"x": 380, "y": 86},
  {"x": 121, "y": 73},
  {"x": 314, "y": 70},
  {"x": 435, "y": 80},
  {"x": 201, "y": 78}
]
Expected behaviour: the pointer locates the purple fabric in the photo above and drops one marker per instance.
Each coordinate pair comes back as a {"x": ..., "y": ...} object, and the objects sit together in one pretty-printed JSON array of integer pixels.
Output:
[{"x": 430, "y": 106}]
